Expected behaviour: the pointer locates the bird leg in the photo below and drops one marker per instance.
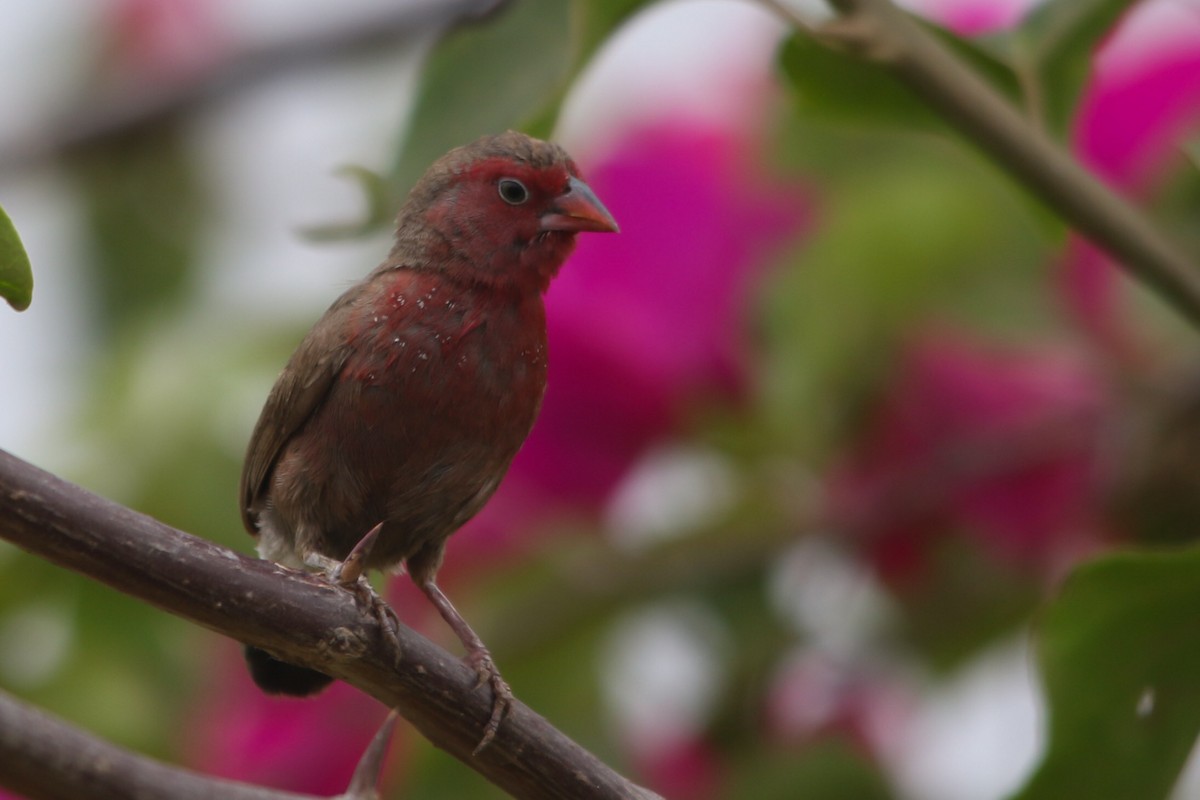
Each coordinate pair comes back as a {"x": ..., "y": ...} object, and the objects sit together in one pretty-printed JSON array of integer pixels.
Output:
[
  {"x": 350, "y": 574},
  {"x": 478, "y": 658}
]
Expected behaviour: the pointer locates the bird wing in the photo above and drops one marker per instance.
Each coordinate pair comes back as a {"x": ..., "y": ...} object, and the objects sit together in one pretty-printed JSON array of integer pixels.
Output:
[{"x": 296, "y": 395}]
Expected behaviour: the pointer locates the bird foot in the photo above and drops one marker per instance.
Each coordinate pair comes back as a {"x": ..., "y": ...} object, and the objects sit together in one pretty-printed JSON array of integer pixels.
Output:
[
  {"x": 366, "y": 598},
  {"x": 480, "y": 660},
  {"x": 350, "y": 575}
]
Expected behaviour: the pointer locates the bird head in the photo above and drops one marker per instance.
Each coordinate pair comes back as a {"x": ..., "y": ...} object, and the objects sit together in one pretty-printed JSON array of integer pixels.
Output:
[{"x": 501, "y": 211}]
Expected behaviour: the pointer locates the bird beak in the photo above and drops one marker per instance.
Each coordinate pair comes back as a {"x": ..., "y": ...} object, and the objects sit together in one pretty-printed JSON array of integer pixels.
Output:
[{"x": 578, "y": 209}]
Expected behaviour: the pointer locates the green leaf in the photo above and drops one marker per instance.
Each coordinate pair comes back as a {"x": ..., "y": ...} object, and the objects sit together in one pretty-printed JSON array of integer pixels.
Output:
[
  {"x": 380, "y": 208},
  {"x": 986, "y": 55},
  {"x": 1120, "y": 658},
  {"x": 1043, "y": 65},
  {"x": 16, "y": 277},
  {"x": 592, "y": 22},
  {"x": 486, "y": 77},
  {"x": 846, "y": 89},
  {"x": 1063, "y": 35},
  {"x": 509, "y": 70},
  {"x": 146, "y": 208},
  {"x": 826, "y": 769}
]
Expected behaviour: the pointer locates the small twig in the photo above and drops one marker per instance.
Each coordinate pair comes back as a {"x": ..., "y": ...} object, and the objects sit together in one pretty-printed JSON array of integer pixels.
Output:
[
  {"x": 878, "y": 31},
  {"x": 302, "y": 618}
]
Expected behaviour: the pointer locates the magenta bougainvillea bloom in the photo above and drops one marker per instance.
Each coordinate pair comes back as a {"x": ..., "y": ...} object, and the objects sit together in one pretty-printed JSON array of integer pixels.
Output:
[
  {"x": 684, "y": 769},
  {"x": 973, "y": 17},
  {"x": 157, "y": 41},
  {"x": 819, "y": 695},
  {"x": 311, "y": 746},
  {"x": 1000, "y": 444},
  {"x": 649, "y": 324},
  {"x": 1142, "y": 102}
]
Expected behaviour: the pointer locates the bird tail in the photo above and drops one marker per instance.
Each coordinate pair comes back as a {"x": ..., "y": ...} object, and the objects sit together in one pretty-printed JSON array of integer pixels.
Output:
[{"x": 279, "y": 677}]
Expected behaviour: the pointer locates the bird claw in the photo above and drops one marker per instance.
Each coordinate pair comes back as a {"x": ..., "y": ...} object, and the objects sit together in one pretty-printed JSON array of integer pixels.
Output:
[
  {"x": 350, "y": 575},
  {"x": 502, "y": 697},
  {"x": 353, "y": 567},
  {"x": 367, "y": 599}
]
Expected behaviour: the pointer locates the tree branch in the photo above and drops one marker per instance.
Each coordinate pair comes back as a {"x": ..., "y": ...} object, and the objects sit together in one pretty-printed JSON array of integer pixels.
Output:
[
  {"x": 120, "y": 111},
  {"x": 299, "y": 617},
  {"x": 878, "y": 31}
]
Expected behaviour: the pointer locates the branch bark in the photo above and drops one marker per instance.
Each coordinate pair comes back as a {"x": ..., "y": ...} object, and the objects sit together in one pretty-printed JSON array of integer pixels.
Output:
[
  {"x": 299, "y": 617},
  {"x": 878, "y": 31},
  {"x": 123, "y": 110}
]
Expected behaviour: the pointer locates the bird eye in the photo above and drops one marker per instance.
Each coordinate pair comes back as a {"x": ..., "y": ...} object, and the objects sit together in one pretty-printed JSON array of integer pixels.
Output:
[{"x": 513, "y": 192}]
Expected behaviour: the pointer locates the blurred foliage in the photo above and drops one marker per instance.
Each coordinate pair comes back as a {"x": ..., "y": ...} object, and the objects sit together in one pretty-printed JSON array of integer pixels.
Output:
[
  {"x": 144, "y": 206},
  {"x": 1055, "y": 43},
  {"x": 913, "y": 228},
  {"x": 510, "y": 70},
  {"x": 826, "y": 771},
  {"x": 1119, "y": 656},
  {"x": 909, "y": 226},
  {"x": 485, "y": 77},
  {"x": 16, "y": 276}
]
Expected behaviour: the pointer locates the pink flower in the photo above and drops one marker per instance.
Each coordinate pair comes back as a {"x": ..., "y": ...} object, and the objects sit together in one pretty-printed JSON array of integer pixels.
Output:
[
  {"x": 166, "y": 40},
  {"x": 1143, "y": 100},
  {"x": 310, "y": 745},
  {"x": 817, "y": 695},
  {"x": 688, "y": 769},
  {"x": 998, "y": 443},
  {"x": 973, "y": 17},
  {"x": 647, "y": 325}
]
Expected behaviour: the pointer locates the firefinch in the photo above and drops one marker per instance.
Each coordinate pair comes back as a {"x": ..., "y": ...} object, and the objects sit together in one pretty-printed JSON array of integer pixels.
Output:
[{"x": 400, "y": 411}]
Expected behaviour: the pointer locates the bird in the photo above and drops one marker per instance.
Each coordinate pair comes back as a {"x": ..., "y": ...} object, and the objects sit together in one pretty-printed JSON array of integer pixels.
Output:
[{"x": 400, "y": 411}]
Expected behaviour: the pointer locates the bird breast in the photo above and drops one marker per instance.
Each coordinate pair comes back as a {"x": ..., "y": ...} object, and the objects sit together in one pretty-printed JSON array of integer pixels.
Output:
[{"x": 440, "y": 391}]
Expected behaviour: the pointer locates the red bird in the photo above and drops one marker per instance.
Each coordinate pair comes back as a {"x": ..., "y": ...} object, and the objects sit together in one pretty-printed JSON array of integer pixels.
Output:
[{"x": 404, "y": 405}]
